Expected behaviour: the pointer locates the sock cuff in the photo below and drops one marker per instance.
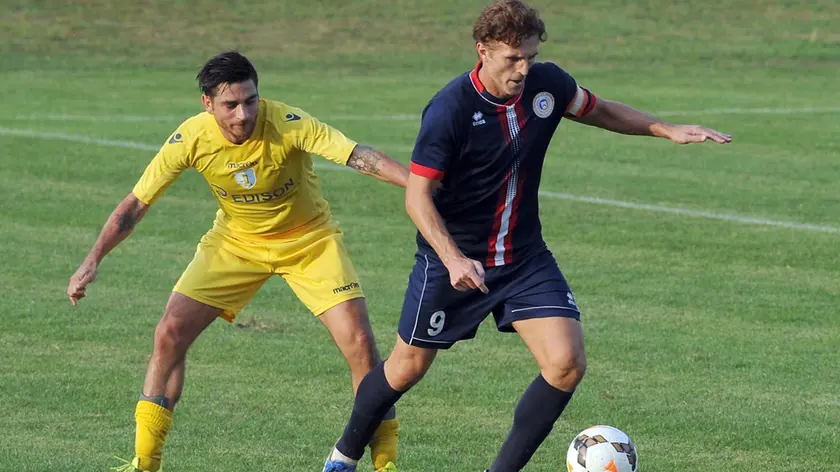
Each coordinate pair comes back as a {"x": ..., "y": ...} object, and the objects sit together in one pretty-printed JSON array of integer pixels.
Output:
[
  {"x": 544, "y": 385},
  {"x": 153, "y": 414},
  {"x": 391, "y": 414},
  {"x": 378, "y": 373},
  {"x": 159, "y": 399}
]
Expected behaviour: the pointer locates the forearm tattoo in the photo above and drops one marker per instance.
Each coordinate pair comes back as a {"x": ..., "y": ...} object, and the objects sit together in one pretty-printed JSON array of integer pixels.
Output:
[
  {"x": 365, "y": 160},
  {"x": 127, "y": 219}
]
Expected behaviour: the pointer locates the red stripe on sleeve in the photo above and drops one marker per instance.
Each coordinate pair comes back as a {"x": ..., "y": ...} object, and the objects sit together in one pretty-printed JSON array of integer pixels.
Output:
[
  {"x": 427, "y": 172},
  {"x": 591, "y": 101}
]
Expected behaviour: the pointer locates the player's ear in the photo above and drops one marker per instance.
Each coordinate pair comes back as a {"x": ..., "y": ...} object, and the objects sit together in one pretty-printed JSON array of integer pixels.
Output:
[
  {"x": 207, "y": 102},
  {"x": 481, "y": 49}
]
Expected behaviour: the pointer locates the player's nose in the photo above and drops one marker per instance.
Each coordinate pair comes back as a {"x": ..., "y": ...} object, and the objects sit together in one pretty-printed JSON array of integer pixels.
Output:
[{"x": 241, "y": 113}]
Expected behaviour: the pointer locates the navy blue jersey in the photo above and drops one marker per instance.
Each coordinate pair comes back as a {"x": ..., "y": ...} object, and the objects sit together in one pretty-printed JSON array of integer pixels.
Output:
[{"x": 489, "y": 155}]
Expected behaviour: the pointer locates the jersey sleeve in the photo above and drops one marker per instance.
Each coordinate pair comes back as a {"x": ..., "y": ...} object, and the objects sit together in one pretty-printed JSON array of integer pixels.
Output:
[
  {"x": 578, "y": 100},
  {"x": 167, "y": 165},
  {"x": 316, "y": 137},
  {"x": 436, "y": 142}
]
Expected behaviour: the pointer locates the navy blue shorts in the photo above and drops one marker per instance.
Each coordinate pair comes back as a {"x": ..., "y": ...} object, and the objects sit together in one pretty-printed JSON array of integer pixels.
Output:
[{"x": 435, "y": 315}]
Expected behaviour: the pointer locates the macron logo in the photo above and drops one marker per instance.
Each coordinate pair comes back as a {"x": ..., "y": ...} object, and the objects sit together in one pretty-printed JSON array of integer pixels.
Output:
[
  {"x": 345, "y": 288},
  {"x": 478, "y": 119},
  {"x": 291, "y": 117},
  {"x": 240, "y": 165},
  {"x": 176, "y": 138}
]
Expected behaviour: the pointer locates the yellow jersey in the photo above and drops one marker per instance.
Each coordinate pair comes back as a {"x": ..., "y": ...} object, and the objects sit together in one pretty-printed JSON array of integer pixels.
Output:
[{"x": 265, "y": 186}]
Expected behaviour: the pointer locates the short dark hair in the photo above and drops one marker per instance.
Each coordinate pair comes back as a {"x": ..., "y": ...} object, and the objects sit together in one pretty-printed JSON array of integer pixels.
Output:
[
  {"x": 510, "y": 22},
  {"x": 229, "y": 67}
]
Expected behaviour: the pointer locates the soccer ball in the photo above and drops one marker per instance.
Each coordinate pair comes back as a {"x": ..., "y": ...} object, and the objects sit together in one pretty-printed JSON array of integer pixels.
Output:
[{"x": 602, "y": 449}]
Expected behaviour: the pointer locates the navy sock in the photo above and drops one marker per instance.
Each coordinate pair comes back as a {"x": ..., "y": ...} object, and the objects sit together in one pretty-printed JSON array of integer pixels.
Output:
[
  {"x": 533, "y": 419},
  {"x": 374, "y": 399}
]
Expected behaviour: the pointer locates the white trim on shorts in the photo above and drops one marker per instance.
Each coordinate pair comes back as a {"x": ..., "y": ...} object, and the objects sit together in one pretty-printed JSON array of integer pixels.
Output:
[
  {"x": 546, "y": 306},
  {"x": 431, "y": 341},
  {"x": 420, "y": 302}
]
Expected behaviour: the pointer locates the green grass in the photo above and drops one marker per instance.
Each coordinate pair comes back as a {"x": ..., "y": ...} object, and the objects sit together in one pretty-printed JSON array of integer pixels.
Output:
[{"x": 713, "y": 343}]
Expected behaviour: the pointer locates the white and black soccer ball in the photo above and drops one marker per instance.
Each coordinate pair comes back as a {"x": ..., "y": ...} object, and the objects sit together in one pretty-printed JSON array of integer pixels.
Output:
[{"x": 602, "y": 449}]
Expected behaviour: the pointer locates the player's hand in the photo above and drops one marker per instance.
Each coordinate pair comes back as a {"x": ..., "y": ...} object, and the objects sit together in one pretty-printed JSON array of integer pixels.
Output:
[
  {"x": 466, "y": 274},
  {"x": 687, "y": 134},
  {"x": 85, "y": 274}
]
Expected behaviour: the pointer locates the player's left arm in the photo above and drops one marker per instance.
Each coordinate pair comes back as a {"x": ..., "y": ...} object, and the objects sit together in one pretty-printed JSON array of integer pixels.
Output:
[
  {"x": 620, "y": 118},
  {"x": 369, "y": 161}
]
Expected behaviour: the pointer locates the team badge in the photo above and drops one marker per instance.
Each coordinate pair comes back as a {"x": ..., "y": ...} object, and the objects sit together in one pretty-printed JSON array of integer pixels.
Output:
[
  {"x": 246, "y": 178},
  {"x": 543, "y": 104}
]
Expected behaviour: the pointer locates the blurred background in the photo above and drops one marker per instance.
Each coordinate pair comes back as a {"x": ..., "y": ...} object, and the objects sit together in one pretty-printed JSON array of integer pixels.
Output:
[{"x": 707, "y": 275}]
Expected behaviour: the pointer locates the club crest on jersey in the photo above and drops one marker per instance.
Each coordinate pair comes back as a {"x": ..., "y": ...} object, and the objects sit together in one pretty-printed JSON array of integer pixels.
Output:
[
  {"x": 246, "y": 178},
  {"x": 543, "y": 104}
]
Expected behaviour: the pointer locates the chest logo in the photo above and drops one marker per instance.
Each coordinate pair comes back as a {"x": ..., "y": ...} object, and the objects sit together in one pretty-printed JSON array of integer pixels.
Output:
[
  {"x": 543, "y": 104},
  {"x": 246, "y": 178},
  {"x": 478, "y": 118}
]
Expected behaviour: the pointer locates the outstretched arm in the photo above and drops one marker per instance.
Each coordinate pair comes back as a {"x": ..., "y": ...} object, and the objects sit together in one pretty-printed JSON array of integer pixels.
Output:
[
  {"x": 371, "y": 162},
  {"x": 119, "y": 225},
  {"x": 620, "y": 118}
]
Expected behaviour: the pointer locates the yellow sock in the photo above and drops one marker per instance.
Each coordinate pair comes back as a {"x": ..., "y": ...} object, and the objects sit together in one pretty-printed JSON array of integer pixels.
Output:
[
  {"x": 153, "y": 422},
  {"x": 383, "y": 446}
]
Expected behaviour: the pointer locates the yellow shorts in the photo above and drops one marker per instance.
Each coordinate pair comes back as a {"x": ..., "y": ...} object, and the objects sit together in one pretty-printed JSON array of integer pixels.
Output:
[{"x": 226, "y": 271}]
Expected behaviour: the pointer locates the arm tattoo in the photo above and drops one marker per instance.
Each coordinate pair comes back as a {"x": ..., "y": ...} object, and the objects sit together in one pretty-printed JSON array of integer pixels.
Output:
[
  {"x": 128, "y": 218},
  {"x": 365, "y": 160},
  {"x": 125, "y": 222}
]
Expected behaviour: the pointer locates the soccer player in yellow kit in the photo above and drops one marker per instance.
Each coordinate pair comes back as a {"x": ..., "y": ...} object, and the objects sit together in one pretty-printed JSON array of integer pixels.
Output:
[{"x": 255, "y": 155}]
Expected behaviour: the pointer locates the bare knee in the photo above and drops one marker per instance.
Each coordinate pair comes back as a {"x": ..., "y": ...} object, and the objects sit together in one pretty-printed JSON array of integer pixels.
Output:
[
  {"x": 360, "y": 350},
  {"x": 350, "y": 328},
  {"x": 565, "y": 370},
  {"x": 404, "y": 368},
  {"x": 404, "y": 373},
  {"x": 170, "y": 340},
  {"x": 183, "y": 320}
]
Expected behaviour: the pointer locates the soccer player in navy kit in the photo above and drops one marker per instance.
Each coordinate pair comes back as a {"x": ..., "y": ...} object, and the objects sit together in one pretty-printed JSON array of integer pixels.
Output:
[{"x": 473, "y": 194}]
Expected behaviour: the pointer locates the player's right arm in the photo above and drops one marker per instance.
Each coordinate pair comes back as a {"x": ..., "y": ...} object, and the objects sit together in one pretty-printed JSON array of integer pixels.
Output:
[
  {"x": 435, "y": 147},
  {"x": 119, "y": 225},
  {"x": 464, "y": 273},
  {"x": 167, "y": 165}
]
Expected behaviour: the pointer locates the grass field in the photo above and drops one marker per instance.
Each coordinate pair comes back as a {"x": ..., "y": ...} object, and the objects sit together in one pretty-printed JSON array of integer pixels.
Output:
[{"x": 712, "y": 333}]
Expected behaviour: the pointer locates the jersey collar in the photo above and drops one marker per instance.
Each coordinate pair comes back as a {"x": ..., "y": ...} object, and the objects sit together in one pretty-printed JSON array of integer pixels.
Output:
[{"x": 479, "y": 88}]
